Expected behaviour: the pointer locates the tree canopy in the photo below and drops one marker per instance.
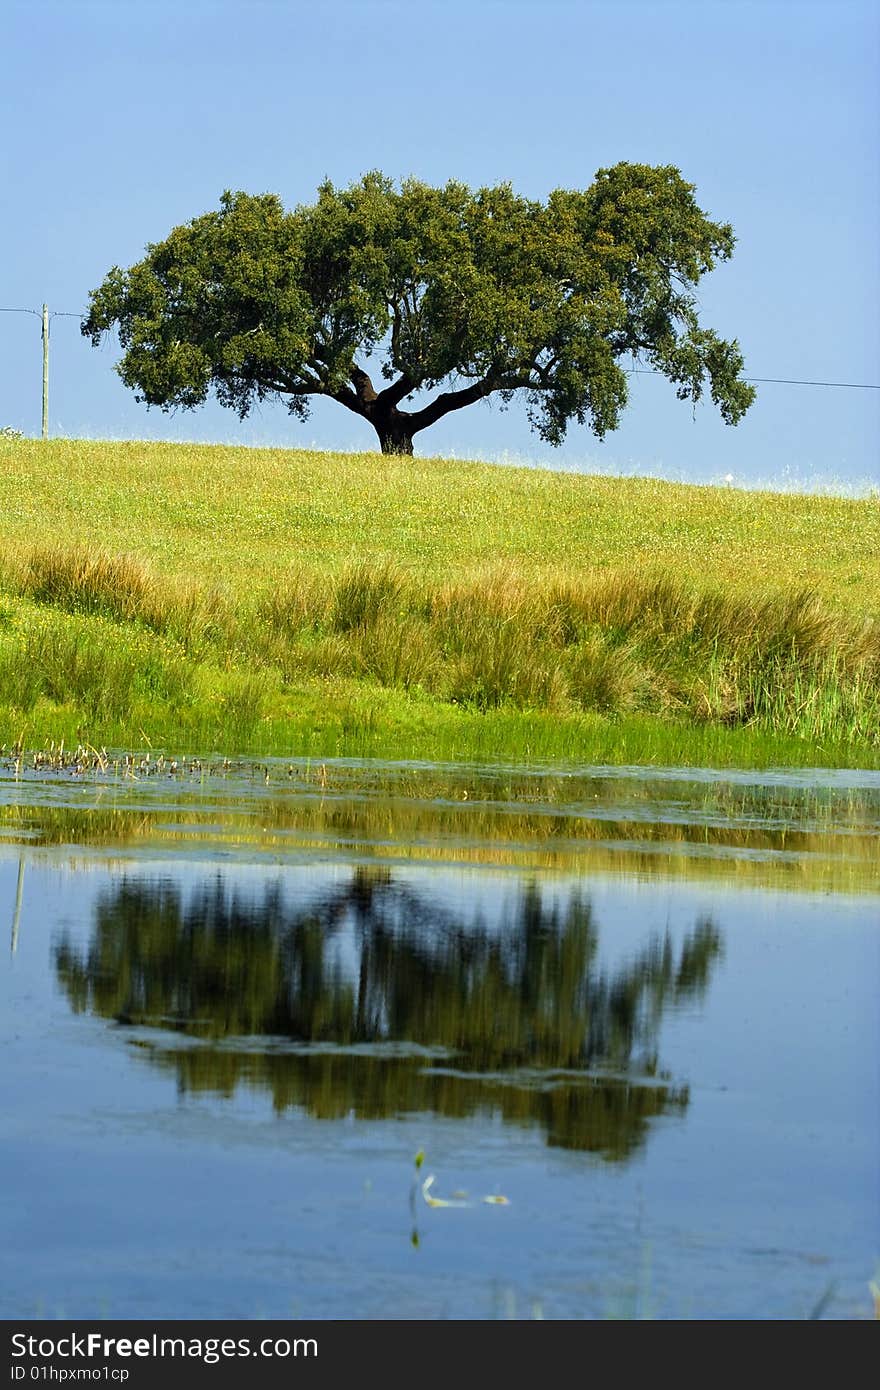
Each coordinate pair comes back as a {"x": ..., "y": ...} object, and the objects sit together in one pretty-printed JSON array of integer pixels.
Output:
[{"x": 446, "y": 292}]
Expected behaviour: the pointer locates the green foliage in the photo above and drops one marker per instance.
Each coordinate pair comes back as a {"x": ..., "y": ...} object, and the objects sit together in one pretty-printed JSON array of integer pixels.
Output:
[
  {"x": 243, "y": 700},
  {"x": 500, "y": 293}
]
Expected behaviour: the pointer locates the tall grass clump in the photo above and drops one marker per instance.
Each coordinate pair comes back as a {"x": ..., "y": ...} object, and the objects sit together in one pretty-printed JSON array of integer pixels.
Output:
[
  {"x": 20, "y": 680},
  {"x": 201, "y": 617},
  {"x": 398, "y": 650},
  {"x": 103, "y": 669},
  {"x": 786, "y": 662},
  {"x": 608, "y": 677},
  {"x": 363, "y": 592},
  {"x": 493, "y": 643},
  {"x": 296, "y": 605},
  {"x": 495, "y": 662},
  {"x": 84, "y": 581},
  {"x": 124, "y": 589},
  {"x": 615, "y": 644},
  {"x": 821, "y": 704},
  {"x": 240, "y": 700},
  {"x": 775, "y": 659}
]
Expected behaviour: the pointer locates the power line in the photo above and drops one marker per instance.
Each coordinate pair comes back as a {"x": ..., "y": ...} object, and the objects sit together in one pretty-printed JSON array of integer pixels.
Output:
[
  {"x": 788, "y": 381},
  {"x": 777, "y": 380},
  {"x": 55, "y": 313}
]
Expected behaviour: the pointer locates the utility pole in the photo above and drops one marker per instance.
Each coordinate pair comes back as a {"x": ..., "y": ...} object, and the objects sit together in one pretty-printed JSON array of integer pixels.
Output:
[{"x": 45, "y": 371}]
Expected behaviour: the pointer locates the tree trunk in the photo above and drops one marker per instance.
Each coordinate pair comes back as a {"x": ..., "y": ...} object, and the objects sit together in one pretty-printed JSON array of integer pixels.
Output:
[
  {"x": 394, "y": 427},
  {"x": 395, "y": 435}
]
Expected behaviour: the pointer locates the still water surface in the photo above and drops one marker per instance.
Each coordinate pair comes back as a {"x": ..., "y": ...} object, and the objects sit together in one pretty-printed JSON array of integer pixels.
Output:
[{"x": 639, "y": 1005}]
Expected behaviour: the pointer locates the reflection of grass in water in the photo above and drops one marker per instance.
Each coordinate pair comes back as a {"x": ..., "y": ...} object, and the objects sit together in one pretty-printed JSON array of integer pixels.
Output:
[{"x": 806, "y": 839}]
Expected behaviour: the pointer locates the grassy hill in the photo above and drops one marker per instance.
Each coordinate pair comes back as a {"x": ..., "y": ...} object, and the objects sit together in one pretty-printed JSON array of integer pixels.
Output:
[{"x": 286, "y": 601}]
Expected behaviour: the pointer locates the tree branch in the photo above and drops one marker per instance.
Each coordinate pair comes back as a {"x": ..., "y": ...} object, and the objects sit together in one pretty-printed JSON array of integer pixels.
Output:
[
  {"x": 394, "y": 310},
  {"x": 396, "y": 392},
  {"x": 308, "y": 384},
  {"x": 364, "y": 388},
  {"x": 348, "y": 398},
  {"x": 452, "y": 400}
]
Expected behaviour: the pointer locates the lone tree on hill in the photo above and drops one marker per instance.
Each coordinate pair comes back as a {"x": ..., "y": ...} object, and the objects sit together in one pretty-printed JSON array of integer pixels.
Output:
[{"x": 485, "y": 291}]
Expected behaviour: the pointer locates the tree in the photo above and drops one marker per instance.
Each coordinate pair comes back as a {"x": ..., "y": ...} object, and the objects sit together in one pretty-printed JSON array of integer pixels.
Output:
[{"x": 453, "y": 292}]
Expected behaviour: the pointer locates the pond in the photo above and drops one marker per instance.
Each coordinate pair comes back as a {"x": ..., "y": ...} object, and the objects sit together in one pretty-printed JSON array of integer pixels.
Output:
[{"x": 369, "y": 1040}]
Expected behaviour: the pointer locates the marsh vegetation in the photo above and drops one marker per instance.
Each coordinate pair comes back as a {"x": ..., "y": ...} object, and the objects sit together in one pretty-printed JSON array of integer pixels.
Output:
[{"x": 243, "y": 616}]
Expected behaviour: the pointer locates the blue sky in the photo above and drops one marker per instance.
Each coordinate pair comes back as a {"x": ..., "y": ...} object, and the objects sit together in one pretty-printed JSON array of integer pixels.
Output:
[{"x": 123, "y": 119}]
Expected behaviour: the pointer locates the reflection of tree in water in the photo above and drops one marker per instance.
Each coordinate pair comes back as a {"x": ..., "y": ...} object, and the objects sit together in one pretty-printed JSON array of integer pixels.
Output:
[{"x": 518, "y": 1016}]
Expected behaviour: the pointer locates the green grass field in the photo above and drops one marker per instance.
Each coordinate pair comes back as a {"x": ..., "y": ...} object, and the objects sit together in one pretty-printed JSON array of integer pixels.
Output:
[{"x": 289, "y": 602}]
